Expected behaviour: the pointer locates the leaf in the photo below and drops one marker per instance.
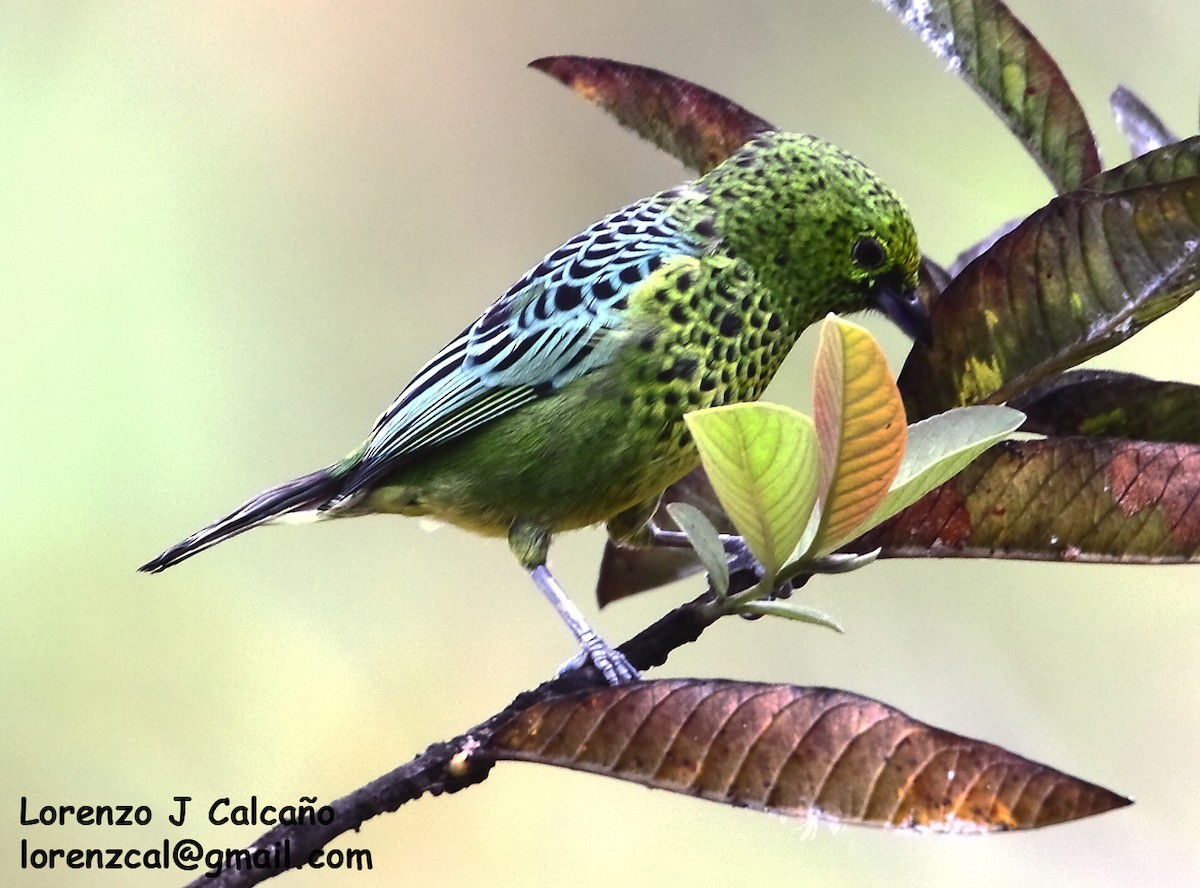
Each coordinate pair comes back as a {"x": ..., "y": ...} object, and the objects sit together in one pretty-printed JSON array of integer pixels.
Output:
[
  {"x": 1176, "y": 161},
  {"x": 801, "y": 752},
  {"x": 761, "y": 460},
  {"x": 860, "y": 425},
  {"x": 705, "y": 541},
  {"x": 973, "y": 252},
  {"x": 1110, "y": 404},
  {"x": 994, "y": 52},
  {"x": 1142, "y": 128},
  {"x": 938, "y": 449},
  {"x": 1077, "y": 277},
  {"x": 694, "y": 124},
  {"x": 626, "y": 570},
  {"x": 932, "y": 279},
  {"x": 1059, "y": 499},
  {"x": 1179, "y": 160},
  {"x": 789, "y": 611}
]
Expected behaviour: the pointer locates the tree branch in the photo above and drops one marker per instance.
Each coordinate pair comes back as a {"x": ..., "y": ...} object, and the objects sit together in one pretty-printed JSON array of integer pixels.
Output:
[{"x": 451, "y": 765}]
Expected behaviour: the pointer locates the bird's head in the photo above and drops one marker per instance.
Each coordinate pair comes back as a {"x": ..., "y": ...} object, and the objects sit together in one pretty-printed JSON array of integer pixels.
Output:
[
  {"x": 884, "y": 267},
  {"x": 821, "y": 229}
]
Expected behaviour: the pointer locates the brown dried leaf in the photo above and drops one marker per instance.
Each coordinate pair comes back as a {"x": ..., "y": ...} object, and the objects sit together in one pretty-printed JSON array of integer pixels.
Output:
[
  {"x": 803, "y": 752},
  {"x": 694, "y": 124}
]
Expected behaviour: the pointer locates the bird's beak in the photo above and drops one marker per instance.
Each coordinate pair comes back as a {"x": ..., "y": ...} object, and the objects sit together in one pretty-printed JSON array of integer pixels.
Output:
[{"x": 903, "y": 306}]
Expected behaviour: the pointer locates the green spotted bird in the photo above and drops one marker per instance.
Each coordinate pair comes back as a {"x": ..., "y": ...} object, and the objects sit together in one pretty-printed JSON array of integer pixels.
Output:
[{"x": 562, "y": 405}]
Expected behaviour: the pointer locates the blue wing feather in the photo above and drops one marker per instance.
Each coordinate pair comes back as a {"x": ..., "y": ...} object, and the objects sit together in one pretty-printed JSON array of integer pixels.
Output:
[{"x": 552, "y": 326}]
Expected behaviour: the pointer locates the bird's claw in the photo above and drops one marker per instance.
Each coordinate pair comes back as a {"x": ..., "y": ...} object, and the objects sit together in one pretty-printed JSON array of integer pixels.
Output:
[
  {"x": 745, "y": 571},
  {"x": 613, "y": 665},
  {"x": 740, "y": 557}
]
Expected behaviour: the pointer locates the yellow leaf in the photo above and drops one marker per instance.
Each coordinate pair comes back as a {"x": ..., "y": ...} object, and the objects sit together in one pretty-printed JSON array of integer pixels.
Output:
[{"x": 861, "y": 427}]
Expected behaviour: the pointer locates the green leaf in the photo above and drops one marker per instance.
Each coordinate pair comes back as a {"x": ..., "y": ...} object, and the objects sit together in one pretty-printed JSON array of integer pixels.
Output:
[
  {"x": 1077, "y": 277},
  {"x": 1179, "y": 160},
  {"x": 694, "y": 124},
  {"x": 860, "y": 425},
  {"x": 938, "y": 449},
  {"x": 1110, "y": 404},
  {"x": 762, "y": 462},
  {"x": 706, "y": 541},
  {"x": 788, "y": 611},
  {"x": 994, "y": 52}
]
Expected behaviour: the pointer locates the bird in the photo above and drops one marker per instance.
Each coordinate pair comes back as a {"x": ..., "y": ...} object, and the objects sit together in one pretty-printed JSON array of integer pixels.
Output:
[{"x": 562, "y": 405}]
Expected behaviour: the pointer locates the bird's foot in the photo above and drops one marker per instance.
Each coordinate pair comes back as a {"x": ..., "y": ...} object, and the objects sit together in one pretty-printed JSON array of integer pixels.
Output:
[
  {"x": 745, "y": 571},
  {"x": 613, "y": 665}
]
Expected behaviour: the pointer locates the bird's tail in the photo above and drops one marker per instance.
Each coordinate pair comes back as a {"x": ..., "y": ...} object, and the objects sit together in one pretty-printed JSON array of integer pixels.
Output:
[{"x": 308, "y": 492}]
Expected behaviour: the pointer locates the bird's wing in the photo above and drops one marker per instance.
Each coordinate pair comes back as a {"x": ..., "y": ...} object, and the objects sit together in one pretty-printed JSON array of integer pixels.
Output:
[{"x": 558, "y": 322}]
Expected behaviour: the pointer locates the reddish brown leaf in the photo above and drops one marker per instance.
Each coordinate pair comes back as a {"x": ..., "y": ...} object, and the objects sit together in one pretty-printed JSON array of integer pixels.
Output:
[
  {"x": 933, "y": 279},
  {"x": 1059, "y": 499},
  {"x": 803, "y": 752},
  {"x": 860, "y": 421},
  {"x": 694, "y": 124},
  {"x": 1077, "y": 277},
  {"x": 626, "y": 571}
]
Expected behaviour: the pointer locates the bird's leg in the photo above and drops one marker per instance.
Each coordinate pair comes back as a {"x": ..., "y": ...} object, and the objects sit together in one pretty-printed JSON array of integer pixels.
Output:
[
  {"x": 740, "y": 557},
  {"x": 636, "y": 527},
  {"x": 530, "y": 543},
  {"x": 612, "y": 664},
  {"x": 735, "y": 546}
]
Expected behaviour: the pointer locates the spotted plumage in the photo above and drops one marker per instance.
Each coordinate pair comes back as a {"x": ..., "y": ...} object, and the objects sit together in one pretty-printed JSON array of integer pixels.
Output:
[{"x": 562, "y": 405}]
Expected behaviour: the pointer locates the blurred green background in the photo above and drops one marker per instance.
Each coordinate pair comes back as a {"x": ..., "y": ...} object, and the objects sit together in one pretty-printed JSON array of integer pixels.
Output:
[{"x": 230, "y": 231}]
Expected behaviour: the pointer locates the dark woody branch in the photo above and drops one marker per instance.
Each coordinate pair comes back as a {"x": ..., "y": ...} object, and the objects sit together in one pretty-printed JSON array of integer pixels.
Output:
[{"x": 455, "y": 764}]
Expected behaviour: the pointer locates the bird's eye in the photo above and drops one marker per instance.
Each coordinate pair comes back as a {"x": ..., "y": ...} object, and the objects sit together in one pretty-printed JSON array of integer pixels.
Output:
[{"x": 868, "y": 253}]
